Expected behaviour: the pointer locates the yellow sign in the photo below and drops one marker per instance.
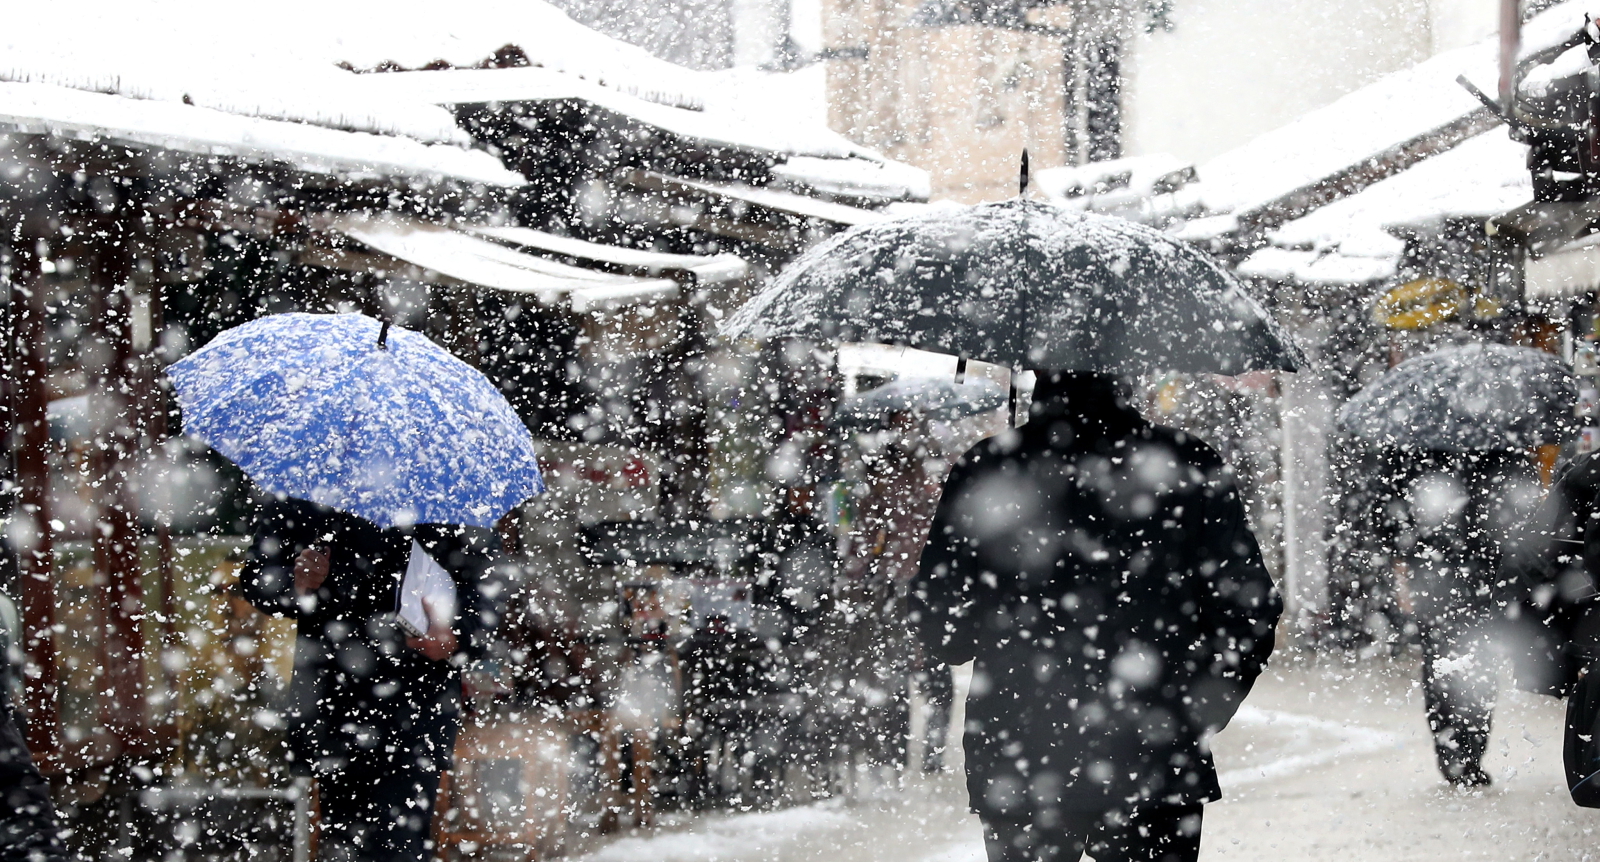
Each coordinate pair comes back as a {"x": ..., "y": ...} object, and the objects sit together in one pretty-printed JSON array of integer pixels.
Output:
[{"x": 1421, "y": 303}]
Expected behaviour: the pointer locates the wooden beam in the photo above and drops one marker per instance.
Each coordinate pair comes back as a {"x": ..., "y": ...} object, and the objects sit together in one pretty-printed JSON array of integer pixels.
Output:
[
  {"x": 117, "y": 560},
  {"x": 29, "y": 369}
]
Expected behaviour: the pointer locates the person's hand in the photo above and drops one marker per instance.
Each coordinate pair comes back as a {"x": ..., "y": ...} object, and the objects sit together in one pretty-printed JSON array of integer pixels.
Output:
[
  {"x": 438, "y": 644},
  {"x": 310, "y": 570}
]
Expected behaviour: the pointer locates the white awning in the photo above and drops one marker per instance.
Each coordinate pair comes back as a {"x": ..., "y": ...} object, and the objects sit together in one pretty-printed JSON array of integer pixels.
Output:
[
  {"x": 469, "y": 259},
  {"x": 707, "y": 269},
  {"x": 1571, "y": 271}
]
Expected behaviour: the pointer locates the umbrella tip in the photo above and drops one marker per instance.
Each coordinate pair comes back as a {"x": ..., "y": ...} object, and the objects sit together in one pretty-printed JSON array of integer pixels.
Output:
[
  {"x": 1022, "y": 189},
  {"x": 383, "y": 336}
]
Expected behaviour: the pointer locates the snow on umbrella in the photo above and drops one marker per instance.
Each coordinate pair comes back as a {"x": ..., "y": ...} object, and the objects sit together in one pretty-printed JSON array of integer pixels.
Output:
[
  {"x": 1474, "y": 398},
  {"x": 935, "y": 396},
  {"x": 399, "y": 433},
  {"x": 1027, "y": 285}
]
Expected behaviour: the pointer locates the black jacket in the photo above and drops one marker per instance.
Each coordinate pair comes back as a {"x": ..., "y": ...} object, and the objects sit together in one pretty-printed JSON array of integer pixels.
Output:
[
  {"x": 1100, "y": 573},
  {"x": 360, "y": 696},
  {"x": 1451, "y": 516}
]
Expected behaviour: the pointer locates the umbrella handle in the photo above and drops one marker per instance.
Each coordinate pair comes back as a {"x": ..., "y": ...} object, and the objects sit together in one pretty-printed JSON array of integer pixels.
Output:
[{"x": 383, "y": 336}]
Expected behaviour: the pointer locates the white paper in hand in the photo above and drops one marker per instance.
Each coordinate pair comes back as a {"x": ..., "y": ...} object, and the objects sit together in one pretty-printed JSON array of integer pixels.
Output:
[{"x": 428, "y": 592}]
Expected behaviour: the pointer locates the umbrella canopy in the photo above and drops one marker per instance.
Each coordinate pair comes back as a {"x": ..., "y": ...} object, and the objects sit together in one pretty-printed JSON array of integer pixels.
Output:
[
  {"x": 939, "y": 397},
  {"x": 312, "y": 406},
  {"x": 1475, "y": 398},
  {"x": 1024, "y": 284}
]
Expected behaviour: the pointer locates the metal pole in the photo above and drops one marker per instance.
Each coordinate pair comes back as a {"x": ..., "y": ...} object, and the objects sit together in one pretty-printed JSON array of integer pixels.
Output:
[{"x": 1510, "y": 44}]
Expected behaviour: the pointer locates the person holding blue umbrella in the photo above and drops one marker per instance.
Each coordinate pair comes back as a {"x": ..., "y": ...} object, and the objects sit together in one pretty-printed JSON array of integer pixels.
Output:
[{"x": 388, "y": 461}]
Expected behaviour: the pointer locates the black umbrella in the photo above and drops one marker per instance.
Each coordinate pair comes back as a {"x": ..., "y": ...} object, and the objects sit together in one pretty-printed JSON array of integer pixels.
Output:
[
  {"x": 1476, "y": 398},
  {"x": 1023, "y": 284}
]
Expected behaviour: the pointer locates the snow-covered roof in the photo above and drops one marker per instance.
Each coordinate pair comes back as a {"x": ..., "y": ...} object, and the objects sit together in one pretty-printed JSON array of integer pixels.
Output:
[
  {"x": 1363, "y": 125},
  {"x": 1353, "y": 241},
  {"x": 414, "y": 34},
  {"x": 807, "y": 153},
  {"x": 1382, "y": 129},
  {"x": 58, "y": 110},
  {"x": 537, "y": 84},
  {"x": 196, "y": 54}
]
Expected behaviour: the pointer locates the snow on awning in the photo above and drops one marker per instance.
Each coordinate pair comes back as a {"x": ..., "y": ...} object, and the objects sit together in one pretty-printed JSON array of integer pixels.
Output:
[
  {"x": 1570, "y": 271},
  {"x": 1316, "y": 269},
  {"x": 47, "y": 109},
  {"x": 774, "y": 200},
  {"x": 706, "y": 269},
  {"x": 472, "y": 260},
  {"x": 1353, "y": 240},
  {"x": 856, "y": 177}
]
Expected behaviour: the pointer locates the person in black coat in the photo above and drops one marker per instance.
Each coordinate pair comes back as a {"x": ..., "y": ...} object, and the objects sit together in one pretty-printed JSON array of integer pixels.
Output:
[
  {"x": 1452, "y": 515},
  {"x": 373, "y": 713},
  {"x": 1100, "y": 573}
]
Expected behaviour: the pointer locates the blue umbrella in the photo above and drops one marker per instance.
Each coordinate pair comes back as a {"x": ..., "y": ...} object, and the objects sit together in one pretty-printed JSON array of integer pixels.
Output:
[{"x": 399, "y": 432}]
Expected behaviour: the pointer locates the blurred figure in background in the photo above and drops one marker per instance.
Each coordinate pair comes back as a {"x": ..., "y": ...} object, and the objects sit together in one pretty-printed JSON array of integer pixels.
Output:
[
  {"x": 1451, "y": 518},
  {"x": 1556, "y": 618},
  {"x": 1100, "y": 573}
]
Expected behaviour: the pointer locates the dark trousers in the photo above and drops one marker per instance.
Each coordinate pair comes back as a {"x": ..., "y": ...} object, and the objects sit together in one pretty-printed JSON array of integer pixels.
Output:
[
  {"x": 1458, "y": 687},
  {"x": 377, "y": 814},
  {"x": 1162, "y": 833}
]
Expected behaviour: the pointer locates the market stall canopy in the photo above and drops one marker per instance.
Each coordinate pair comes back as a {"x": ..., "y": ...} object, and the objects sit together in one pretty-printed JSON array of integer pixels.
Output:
[
  {"x": 464, "y": 256},
  {"x": 1472, "y": 398}
]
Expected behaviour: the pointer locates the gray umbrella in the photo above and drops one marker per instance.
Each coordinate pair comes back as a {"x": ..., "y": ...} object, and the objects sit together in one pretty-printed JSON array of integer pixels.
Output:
[
  {"x": 1476, "y": 398},
  {"x": 1023, "y": 284},
  {"x": 940, "y": 397}
]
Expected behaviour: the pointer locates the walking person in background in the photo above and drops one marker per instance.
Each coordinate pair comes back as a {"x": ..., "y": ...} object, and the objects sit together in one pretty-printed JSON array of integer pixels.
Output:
[
  {"x": 1100, "y": 573},
  {"x": 1452, "y": 517},
  {"x": 374, "y": 712}
]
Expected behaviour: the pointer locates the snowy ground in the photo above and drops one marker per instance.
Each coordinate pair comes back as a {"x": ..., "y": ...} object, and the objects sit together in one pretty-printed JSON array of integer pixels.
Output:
[{"x": 1326, "y": 762}]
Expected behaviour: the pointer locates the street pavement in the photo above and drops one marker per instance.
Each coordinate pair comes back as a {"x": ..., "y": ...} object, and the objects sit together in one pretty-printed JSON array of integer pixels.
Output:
[{"x": 1327, "y": 761}]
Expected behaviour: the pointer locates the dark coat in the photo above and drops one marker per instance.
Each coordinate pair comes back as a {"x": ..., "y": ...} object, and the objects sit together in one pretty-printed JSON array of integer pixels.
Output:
[
  {"x": 1100, "y": 573},
  {"x": 1451, "y": 516},
  {"x": 360, "y": 696}
]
